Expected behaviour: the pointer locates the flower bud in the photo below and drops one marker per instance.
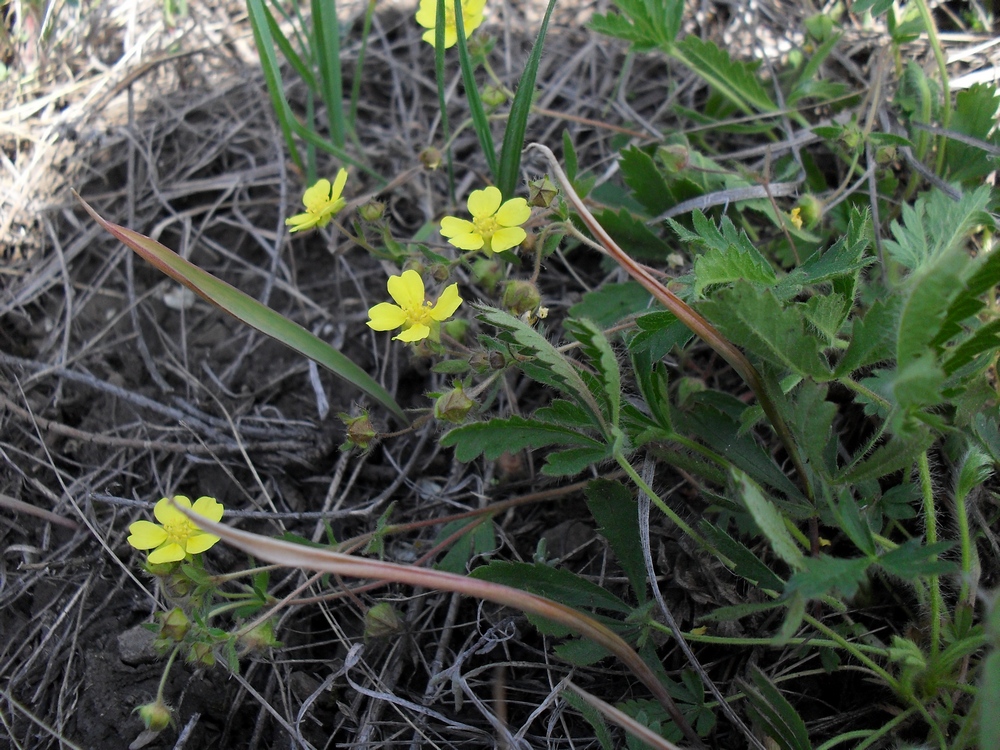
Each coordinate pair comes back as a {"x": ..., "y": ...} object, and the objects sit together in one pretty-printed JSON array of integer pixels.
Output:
[
  {"x": 174, "y": 625},
  {"x": 372, "y": 210},
  {"x": 487, "y": 273},
  {"x": 382, "y": 621},
  {"x": 497, "y": 361},
  {"x": 439, "y": 272},
  {"x": 260, "y": 638},
  {"x": 360, "y": 432},
  {"x": 156, "y": 716},
  {"x": 201, "y": 653},
  {"x": 542, "y": 192},
  {"x": 521, "y": 297},
  {"x": 674, "y": 158},
  {"x": 493, "y": 96},
  {"x": 810, "y": 209},
  {"x": 453, "y": 406},
  {"x": 430, "y": 157}
]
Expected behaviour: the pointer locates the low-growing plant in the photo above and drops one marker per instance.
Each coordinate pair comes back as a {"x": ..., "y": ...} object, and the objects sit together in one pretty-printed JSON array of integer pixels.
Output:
[{"x": 846, "y": 452}]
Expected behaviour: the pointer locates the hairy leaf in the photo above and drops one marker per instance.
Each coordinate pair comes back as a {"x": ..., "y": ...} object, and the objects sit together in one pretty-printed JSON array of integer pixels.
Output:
[{"x": 616, "y": 512}]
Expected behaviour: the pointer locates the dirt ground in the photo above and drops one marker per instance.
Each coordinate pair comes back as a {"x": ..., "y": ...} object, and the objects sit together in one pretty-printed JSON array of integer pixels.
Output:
[{"x": 116, "y": 390}]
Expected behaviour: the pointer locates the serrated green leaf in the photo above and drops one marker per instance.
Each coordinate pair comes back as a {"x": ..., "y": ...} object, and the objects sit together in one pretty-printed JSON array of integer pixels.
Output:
[
  {"x": 918, "y": 383},
  {"x": 871, "y": 337},
  {"x": 877, "y": 7},
  {"x": 912, "y": 561},
  {"x": 814, "y": 416},
  {"x": 767, "y": 706},
  {"x": 479, "y": 540},
  {"x": 616, "y": 512},
  {"x": 646, "y": 24},
  {"x": 510, "y": 435},
  {"x": 825, "y": 574},
  {"x": 974, "y": 115},
  {"x": 633, "y": 236},
  {"x": 566, "y": 414},
  {"x": 597, "y": 348},
  {"x": 898, "y": 453},
  {"x": 593, "y": 717},
  {"x": 612, "y": 302},
  {"x": 844, "y": 259},
  {"x": 826, "y": 313},
  {"x": 737, "y": 81},
  {"x": 934, "y": 225},
  {"x": 756, "y": 320},
  {"x": 732, "y": 264},
  {"x": 747, "y": 564},
  {"x": 651, "y": 377},
  {"x": 574, "y": 460},
  {"x": 580, "y": 652},
  {"x": 648, "y": 186},
  {"x": 769, "y": 520},
  {"x": 739, "y": 611},
  {"x": 553, "y": 583}
]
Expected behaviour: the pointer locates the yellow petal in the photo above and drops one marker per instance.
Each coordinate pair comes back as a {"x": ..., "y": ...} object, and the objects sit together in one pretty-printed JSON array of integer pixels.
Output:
[
  {"x": 166, "y": 513},
  {"x": 413, "y": 333},
  {"x": 300, "y": 222},
  {"x": 146, "y": 535},
  {"x": 198, "y": 543},
  {"x": 513, "y": 213},
  {"x": 386, "y": 316},
  {"x": 450, "y": 36},
  {"x": 505, "y": 239},
  {"x": 447, "y": 303},
  {"x": 338, "y": 186},
  {"x": 484, "y": 203},
  {"x": 315, "y": 197},
  {"x": 452, "y": 227},
  {"x": 208, "y": 507},
  {"x": 407, "y": 290},
  {"x": 469, "y": 241},
  {"x": 427, "y": 14},
  {"x": 168, "y": 553}
]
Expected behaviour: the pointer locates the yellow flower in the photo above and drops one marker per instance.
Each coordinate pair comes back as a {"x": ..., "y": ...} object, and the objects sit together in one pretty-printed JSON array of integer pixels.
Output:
[
  {"x": 418, "y": 317},
  {"x": 177, "y": 537},
  {"x": 322, "y": 201},
  {"x": 796, "y": 217},
  {"x": 472, "y": 16},
  {"x": 493, "y": 227}
]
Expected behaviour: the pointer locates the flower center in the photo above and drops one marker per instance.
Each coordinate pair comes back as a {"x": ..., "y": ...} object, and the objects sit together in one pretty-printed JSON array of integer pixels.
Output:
[
  {"x": 180, "y": 532},
  {"x": 485, "y": 228},
  {"x": 420, "y": 315}
]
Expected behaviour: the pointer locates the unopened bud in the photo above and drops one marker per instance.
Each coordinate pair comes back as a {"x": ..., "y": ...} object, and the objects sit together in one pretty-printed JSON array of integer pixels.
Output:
[
  {"x": 810, "y": 209},
  {"x": 439, "y": 272},
  {"x": 453, "y": 406},
  {"x": 260, "y": 638},
  {"x": 201, "y": 653},
  {"x": 156, "y": 716},
  {"x": 521, "y": 297},
  {"x": 430, "y": 157},
  {"x": 542, "y": 192},
  {"x": 381, "y": 621},
  {"x": 493, "y": 96},
  {"x": 372, "y": 210},
  {"x": 674, "y": 158},
  {"x": 360, "y": 432},
  {"x": 487, "y": 273},
  {"x": 174, "y": 625}
]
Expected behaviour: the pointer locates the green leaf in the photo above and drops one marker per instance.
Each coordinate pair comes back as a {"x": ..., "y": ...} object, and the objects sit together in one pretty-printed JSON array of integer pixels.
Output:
[
  {"x": 769, "y": 520},
  {"x": 848, "y": 515},
  {"x": 648, "y": 186},
  {"x": 988, "y": 699},
  {"x": 326, "y": 33},
  {"x": 581, "y": 652},
  {"x": 634, "y": 236},
  {"x": 594, "y": 717},
  {"x": 520, "y": 110},
  {"x": 574, "y": 460},
  {"x": 249, "y": 311},
  {"x": 813, "y": 425},
  {"x": 597, "y": 348},
  {"x": 510, "y": 435},
  {"x": 824, "y": 574},
  {"x": 924, "y": 309},
  {"x": 877, "y": 7},
  {"x": 936, "y": 224},
  {"x": 617, "y": 516},
  {"x": 772, "y": 711},
  {"x": 871, "y": 337},
  {"x": 912, "y": 561},
  {"x": 651, "y": 377},
  {"x": 737, "y": 261},
  {"x": 480, "y": 123},
  {"x": 553, "y": 583},
  {"x": 610, "y": 303},
  {"x": 754, "y": 318},
  {"x": 898, "y": 453},
  {"x": 479, "y": 540},
  {"x": 737, "y": 81},
  {"x": 644, "y": 23},
  {"x": 747, "y": 564},
  {"x": 974, "y": 115}
]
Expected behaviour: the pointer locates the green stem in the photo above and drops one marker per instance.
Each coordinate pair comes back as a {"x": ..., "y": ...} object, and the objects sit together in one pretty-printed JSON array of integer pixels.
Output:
[
  {"x": 872, "y": 736},
  {"x": 166, "y": 673},
  {"x": 935, "y": 42},
  {"x": 658, "y": 502},
  {"x": 853, "y": 649},
  {"x": 930, "y": 523}
]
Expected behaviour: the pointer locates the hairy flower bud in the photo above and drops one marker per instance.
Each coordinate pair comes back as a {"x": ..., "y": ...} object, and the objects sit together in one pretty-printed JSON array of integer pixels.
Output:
[
  {"x": 372, "y": 210},
  {"x": 156, "y": 716},
  {"x": 453, "y": 406},
  {"x": 174, "y": 625},
  {"x": 542, "y": 192},
  {"x": 360, "y": 432},
  {"x": 260, "y": 638},
  {"x": 430, "y": 157},
  {"x": 521, "y": 297},
  {"x": 382, "y": 621},
  {"x": 493, "y": 96}
]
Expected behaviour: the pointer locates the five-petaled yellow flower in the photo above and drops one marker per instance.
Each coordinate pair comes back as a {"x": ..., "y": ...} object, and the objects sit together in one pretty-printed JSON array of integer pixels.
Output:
[
  {"x": 494, "y": 227},
  {"x": 472, "y": 16},
  {"x": 322, "y": 201},
  {"x": 418, "y": 317},
  {"x": 175, "y": 537}
]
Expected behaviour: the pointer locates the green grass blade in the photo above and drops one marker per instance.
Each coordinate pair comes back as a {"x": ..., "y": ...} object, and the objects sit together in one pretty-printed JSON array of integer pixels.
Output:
[
  {"x": 272, "y": 74},
  {"x": 442, "y": 102},
  {"x": 326, "y": 30},
  {"x": 480, "y": 123},
  {"x": 286, "y": 48},
  {"x": 248, "y": 310},
  {"x": 517, "y": 121}
]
